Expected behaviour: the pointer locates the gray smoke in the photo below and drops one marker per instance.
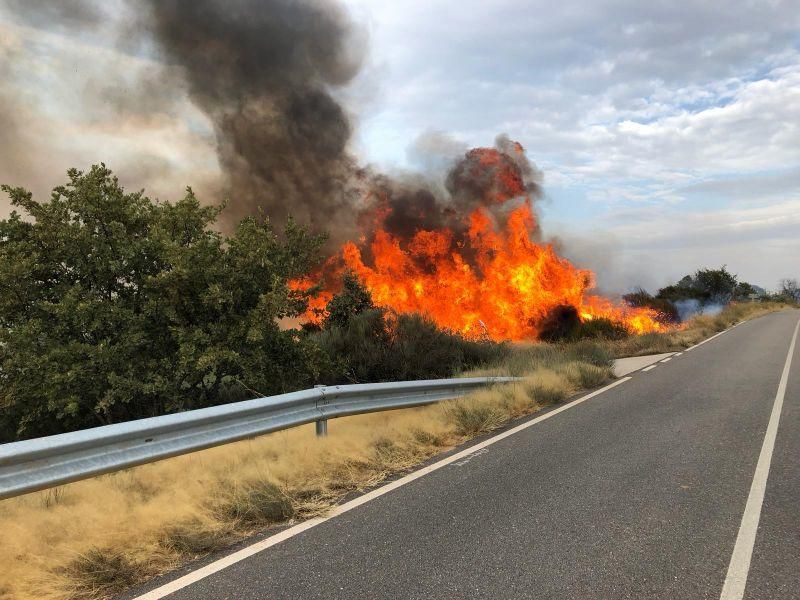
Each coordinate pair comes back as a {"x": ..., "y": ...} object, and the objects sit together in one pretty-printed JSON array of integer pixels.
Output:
[
  {"x": 265, "y": 74},
  {"x": 263, "y": 71}
]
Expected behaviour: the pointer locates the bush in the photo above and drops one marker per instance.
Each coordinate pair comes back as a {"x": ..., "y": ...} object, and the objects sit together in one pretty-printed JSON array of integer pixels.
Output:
[
  {"x": 560, "y": 324},
  {"x": 545, "y": 394},
  {"x": 368, "y": 344},
  {"x": 564, "y": 324},
  {"x": 600, "y": 328},
  {"x": 586, "y": 376},
  {"x": 116, "y": 307}
]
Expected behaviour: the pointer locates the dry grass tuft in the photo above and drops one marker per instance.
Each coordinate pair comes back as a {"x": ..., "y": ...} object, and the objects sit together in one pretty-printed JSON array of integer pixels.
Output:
[
  {"x": 100, "y": 573},
  {"x": 252, "y": 504},
  {"x": 472, "y": 417},
  {"x": 196, "y": 537},
  {"x": 94, "y": 538}
]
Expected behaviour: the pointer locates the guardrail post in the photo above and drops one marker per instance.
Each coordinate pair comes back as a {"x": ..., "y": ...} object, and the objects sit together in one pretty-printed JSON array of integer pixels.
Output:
[{"x": 322, "y": 424}]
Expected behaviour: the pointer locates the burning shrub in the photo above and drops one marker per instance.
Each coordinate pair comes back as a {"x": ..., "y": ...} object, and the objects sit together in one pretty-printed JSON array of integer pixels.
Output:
[
  {"x": 470, "y": 255},
  {"x": 560, "y": 324},
  {"x": 564, "y": 324},
  {"x": 354, "y": 299},
  {"x": 365, "y": 343},
  {"x": 380, "y": 346},
  {"x": 666, "y": 310},
  {"x": 601, "y": 328}
]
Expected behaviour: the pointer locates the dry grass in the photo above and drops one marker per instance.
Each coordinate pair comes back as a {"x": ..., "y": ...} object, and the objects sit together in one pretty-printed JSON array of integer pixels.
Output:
[{"x": 94, "y": 538}]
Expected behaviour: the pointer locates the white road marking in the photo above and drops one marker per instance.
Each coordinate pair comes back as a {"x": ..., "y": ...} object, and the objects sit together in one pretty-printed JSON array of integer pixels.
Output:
[
  {"x": 227, "y": 561},
  {"x": 461, "y": 463},
  {"x": 650, "y": 368},
  {"x": 667, "y": 359},
  {"x": 679, "y": 353},
  {"x": 706, "y": 340},
  {"x": 736, "y": 579}
]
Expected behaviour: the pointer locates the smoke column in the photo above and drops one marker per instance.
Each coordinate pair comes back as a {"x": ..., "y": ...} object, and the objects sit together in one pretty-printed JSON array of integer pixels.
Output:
[{"x": 263, "y": 70}]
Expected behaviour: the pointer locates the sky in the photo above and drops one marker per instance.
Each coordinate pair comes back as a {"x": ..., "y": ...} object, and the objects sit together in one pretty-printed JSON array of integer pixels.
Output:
[{"x": 668, "y": 133}]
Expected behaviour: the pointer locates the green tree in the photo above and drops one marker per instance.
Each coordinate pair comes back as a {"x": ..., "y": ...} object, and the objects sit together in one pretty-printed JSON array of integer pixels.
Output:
[
  {"x": 716, "y": 285},
  {"x": 707, "y": 286},
  {"x": 115, "y": 307},
  {"x": 353, "y": 300}
]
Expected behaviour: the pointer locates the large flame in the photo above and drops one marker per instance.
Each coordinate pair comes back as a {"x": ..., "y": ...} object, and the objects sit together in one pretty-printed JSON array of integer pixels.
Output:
[{"x": 485, "y": 275}]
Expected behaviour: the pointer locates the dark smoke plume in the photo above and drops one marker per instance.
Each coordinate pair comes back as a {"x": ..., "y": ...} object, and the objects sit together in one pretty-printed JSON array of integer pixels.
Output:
[
  {"x": 265, "y": 73},
  {"x": 495, "y": 179},
  {"x": 263, "y": 70},
  {"x": 487, "y": 177}
]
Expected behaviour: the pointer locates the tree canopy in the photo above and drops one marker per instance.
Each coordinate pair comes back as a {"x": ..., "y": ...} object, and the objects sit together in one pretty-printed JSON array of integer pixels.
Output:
[{"x": 114, "y": 306}]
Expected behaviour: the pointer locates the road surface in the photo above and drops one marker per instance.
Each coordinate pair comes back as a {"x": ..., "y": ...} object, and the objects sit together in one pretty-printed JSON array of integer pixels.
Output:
[{"x": 637, "y": 492}]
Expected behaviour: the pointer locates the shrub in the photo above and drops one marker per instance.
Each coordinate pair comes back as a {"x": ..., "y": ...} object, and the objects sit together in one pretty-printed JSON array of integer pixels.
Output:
[
  {"x": 545, "y": 394},
  {"x": 560, "y": 324},
  {"x": 353, "y": 300},
  {"x": 600, "y": 328},
  {"x": 586, "y": 376},
  {"x": 640, "y": 298},
  {"x": 378, "y": 346}
]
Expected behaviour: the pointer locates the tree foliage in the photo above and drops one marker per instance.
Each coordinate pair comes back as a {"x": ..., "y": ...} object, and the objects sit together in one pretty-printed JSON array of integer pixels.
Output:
[
  {"x": 708, "y": 286},
  {"x": 115, "y": 307},
  {"x": 694, "y": 293},
  {"x": 354, "y": 299}
]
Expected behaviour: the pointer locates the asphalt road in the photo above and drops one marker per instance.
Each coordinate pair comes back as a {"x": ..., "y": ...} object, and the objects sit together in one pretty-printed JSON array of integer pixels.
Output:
[{"x": 638, "y": 493}]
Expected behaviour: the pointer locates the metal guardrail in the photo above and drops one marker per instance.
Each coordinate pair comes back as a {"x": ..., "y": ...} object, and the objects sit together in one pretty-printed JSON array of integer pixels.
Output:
[{"x": 40, "y": 463}]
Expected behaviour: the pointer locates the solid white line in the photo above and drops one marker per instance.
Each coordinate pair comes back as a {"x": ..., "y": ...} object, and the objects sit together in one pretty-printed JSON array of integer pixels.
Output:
[
  {"x": 650, "y": 368},
  {"x": 736, "y": 579},
  {"x": 706, "y": 340},
  {"x": 227, "y": 561}
]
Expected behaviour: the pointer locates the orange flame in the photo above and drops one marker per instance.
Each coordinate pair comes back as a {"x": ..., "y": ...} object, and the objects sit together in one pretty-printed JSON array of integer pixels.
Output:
[{"x": 491, "y": 279}]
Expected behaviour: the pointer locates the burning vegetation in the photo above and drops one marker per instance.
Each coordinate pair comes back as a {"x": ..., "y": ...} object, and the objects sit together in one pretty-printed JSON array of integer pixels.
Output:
[
  {"x": 472, "y": 259},
  {"x": 465, "y": 252}
]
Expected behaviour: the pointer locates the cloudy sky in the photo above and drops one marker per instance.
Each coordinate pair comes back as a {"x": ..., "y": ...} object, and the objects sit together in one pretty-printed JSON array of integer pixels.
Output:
[{"x": 668, "y": 132}]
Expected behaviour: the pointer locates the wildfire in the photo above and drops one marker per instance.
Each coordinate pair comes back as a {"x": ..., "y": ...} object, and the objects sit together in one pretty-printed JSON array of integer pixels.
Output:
[{"x": 481, "y": 273}]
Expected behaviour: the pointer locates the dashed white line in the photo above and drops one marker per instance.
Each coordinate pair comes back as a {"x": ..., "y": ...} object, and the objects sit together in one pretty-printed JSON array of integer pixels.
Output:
[
  {"x": 231, "y": 559},
  {"x": 650, "y": 368},
  {"x": 739, "y": 567},
  {"x": 667, "y": 359}
]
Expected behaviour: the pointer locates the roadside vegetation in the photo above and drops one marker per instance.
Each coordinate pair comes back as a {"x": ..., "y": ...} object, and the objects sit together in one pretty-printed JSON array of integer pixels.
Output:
[
  {"x": 115, "y": 307},
  {"x": 96, "y": 538}
]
